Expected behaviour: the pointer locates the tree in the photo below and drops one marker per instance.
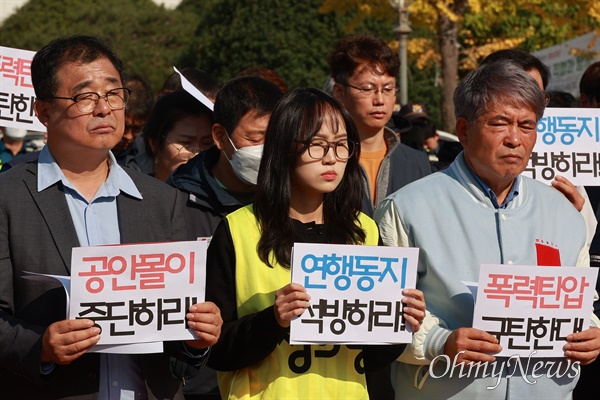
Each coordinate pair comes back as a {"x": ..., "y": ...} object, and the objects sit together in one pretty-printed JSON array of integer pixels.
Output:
[
  {"x": 457, "y": 34},
  {"x": 291, "y": 37},
  {"x": 149, "y": 38}
]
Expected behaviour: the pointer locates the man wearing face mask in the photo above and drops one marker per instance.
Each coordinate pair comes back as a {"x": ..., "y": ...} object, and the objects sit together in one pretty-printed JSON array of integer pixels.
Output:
[
  {"x": 223, "y": 178},
  {"x": 11, "y": 144}
]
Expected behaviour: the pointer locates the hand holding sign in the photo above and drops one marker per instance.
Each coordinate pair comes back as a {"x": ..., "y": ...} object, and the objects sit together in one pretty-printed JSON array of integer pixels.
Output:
[
  {"x": 583, "y": 346},
  {"x": 414, "y": 309},
  {"x": 476, "y": 345},
  {"x": 206, "y": 322},
  {"x": 290, "y": 302},
  {"x": 65, "y": 341}
]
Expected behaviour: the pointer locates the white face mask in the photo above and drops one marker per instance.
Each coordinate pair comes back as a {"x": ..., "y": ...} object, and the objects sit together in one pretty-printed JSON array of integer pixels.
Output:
[
  {"x": 15, "y": 133},
  {"x": 245, "y": 162}
]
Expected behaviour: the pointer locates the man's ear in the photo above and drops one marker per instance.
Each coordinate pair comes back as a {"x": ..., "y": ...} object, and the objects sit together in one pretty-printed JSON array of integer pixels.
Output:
[
  {"x": 41, "y": 111},
  {"x": 218, "y": 134},
  {"x": 462, "y": 126},
  {"x": 338, "y": 92}
]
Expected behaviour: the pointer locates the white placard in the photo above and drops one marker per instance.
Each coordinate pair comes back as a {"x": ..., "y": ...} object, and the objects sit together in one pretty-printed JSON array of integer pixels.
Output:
[
  {"x": 356, "y": 293},
  {"x": 568, "y": 144},
  {"x": 138, "y": 293},
  {"x": 532, "y": 309},
  {"x": 193, "y": 90},
  {"x": 16, "y": 90}
]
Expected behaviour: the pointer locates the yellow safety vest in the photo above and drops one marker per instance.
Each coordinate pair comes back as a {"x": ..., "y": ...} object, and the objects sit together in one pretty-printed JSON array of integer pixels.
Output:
[{"x": 289, "y": 372}]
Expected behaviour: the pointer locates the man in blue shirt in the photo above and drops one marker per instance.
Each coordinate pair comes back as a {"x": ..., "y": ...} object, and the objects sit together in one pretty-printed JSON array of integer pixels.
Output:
[{"x": 77, "y": 195}]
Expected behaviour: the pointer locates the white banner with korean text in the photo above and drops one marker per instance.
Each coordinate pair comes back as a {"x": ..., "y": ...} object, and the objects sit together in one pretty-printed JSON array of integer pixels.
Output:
[
  {"x": 138, "y": 293},
  {"x": 532, "y": 309},
  {"x": 16, "y": 90},
  {"x": 356, "y": 293},
  {"x": 568, "y": 144}
]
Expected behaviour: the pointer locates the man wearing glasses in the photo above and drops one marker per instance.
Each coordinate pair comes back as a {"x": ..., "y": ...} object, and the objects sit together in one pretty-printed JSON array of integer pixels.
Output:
[
  {"x": 364, "y": 69},
  {"x": 75, "y": 194}
]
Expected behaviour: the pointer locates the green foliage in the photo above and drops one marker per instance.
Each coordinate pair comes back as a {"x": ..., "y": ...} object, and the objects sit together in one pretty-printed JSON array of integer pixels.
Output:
[
  {"x": 424, "y": 89},
  {"x": 146, "y": 36},
  {"x": 291, "y": 37}
]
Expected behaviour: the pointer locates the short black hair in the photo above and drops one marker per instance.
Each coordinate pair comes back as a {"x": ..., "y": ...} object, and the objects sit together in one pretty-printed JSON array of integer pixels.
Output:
[
  {"x": 79, "y": 48},
  {"x": 351, "y": 51},
  {"x": 521, "y": 59},
  {"x": 242, "y": 95}
]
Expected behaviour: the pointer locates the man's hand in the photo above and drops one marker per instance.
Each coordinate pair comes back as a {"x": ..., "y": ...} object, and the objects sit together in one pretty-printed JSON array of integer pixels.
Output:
[
  {"x": 569, "y": 190},
  {"x": 65, "y": 341},
  {"x": 290, "y": 302},
  {"x": 414, "y": 310},
  {"x": 583, "y": 346},
  {"x": 206, "y": 322},
  {"x": 475, "y": 343}
]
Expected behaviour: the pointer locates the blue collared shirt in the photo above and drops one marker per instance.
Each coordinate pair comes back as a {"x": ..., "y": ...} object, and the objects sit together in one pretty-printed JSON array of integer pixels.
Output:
[
  {"x": 97, "y": 223},
  {"x": 512, "y": 193}
]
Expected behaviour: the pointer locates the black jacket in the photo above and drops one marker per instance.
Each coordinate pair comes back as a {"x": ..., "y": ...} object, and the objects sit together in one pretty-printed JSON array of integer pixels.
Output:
[{"x": 208, "y": 202}]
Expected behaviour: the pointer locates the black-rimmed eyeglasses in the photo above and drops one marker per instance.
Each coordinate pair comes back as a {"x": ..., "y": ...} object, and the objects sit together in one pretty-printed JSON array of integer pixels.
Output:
[
  {"x": 86, "y": 102},
  {"x": 318, "y": 148}
]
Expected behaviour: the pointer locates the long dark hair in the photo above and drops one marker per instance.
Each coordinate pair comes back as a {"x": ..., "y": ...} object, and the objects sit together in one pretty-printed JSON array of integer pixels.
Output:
[{"x": 298, "y": 116}]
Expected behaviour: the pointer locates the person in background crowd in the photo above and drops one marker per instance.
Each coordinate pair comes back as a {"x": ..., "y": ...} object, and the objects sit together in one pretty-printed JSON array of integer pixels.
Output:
[
  {"x": 494, "y": 216},
  {"x": 223, "y": 178},
  {"x": 197, "y": 77},
  {"x": 210, "y": 180},
  {"x": 136, "y": 156},
  {"x": 364, "y": 69},
  {"x": 266, "y": 74},
  {"x": 561, "y": 99},
  {"x": 137, "y": 112},
  {"x": 75, "y": 195},
  {"x": 422, "y": 136},
  {"x": 589, "y": 87},
  {"x": 12, "y": 144},
  {"x": 178, "y": 128},
  {"x": 309, "y": 190}
]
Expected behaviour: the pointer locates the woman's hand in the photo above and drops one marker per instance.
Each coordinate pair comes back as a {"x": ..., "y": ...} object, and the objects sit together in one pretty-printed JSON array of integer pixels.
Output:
[{"x": 290, "y": 302}]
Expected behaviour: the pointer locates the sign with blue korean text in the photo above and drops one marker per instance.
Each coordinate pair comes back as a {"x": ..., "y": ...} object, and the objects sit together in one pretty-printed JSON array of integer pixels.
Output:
[
  {"x": 356, "y": 293},
  {"x": 16, "y": 90},
  {"x": 568, "y": 144},
  {"x": 138, "y": 293},
  {"x": 532, "y": 309}
]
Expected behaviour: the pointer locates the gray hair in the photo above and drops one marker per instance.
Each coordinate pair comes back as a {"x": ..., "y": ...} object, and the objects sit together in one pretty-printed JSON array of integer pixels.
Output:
[{"x": 497, "y": 82}]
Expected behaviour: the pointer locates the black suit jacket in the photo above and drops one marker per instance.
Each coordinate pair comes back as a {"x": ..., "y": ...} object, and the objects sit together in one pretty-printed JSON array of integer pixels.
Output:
[{"x": 37, "y": 234}]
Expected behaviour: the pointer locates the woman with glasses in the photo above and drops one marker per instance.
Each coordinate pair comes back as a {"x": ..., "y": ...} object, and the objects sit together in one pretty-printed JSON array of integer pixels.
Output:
[
  {"x": 309, "y": 190},
  {"x": 178, "y": 128}
]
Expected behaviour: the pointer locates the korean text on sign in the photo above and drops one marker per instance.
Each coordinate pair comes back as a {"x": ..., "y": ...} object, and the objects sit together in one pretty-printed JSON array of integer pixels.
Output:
[
  {"x": 355, "y": 291},
  {"x": 532, "y": 308},
  {"x": 568, "y": 144},
  {"x": 138, "y": 293},
  {"x": 16, "y": 90}
]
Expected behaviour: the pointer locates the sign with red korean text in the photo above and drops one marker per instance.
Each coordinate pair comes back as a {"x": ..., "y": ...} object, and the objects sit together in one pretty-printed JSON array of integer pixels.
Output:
[
  {"x": 138, "y": 293},
  {"x": 16, "y": 90},
  {"x": 356, "y": 293},
  {"x": 532, "y": 309},
  {"x": 568, "y": 144}
]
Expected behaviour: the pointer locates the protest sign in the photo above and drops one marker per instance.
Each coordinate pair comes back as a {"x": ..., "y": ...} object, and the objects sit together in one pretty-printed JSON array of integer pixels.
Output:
[
  {"x": 355, "y": 291},
  {"x": 16, "y": 90},
  {"x": 568, "y": 144},
  {"x": 138, "y": 293},
  {"x": 533, "y": 309}
]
